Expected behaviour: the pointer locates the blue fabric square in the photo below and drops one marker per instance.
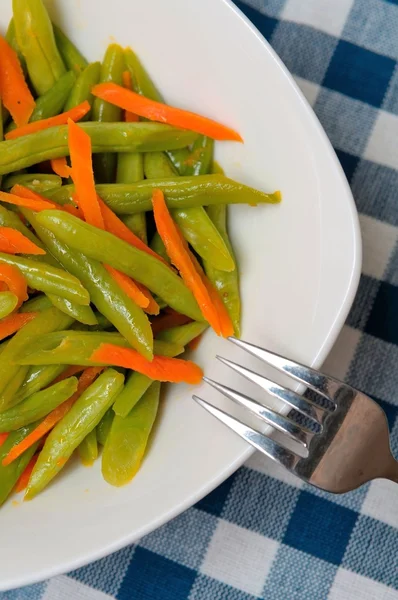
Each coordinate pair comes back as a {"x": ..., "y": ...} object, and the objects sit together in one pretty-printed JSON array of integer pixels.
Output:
[
  {"x": 373, "y": 25},
  {"x": 352, "y": 68},
  {"x": 207, "y": 588},
  {"x": 30, "y": 592},
  {"x": 305, "y": 51},
  {"x": 352, "y": 500},
  {"x": 176, "y": 542},
  {"x": 153, "y": 577},
  {"x": 264, "y": 24},
  {"x": 362, "y": 306},
  {"x": 375, "y": 191},
  {"x": 292, "y": 576},
  {"x": 349, "y": 162},
  {"x": 260, "y": 510},
  {"x": 391, "y": 272},
  {"x": 320, "y": 528},
  {"x": 390, "y": 410},
  {"x": 271, "y": 8},
  {"x": 383, "y": 319},
  {"x": 214, "y": 502},
  {"x": 390, "y": 102},
  {"x": 107, "y": 573},
  {"x": 347, "y": 122},
  {"x": 373, "y": 551}
]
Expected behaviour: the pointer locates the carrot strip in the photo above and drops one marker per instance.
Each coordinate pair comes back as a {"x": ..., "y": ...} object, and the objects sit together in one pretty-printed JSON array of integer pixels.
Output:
[
  {"x": 193, "y": 344},
  {"x": 83, "y": 175},
  {"x": 129, "y": 286},
  {"x": 161, "y": 368},
  {"x": 14, "y": 322},
  {"x": 16, "y": 283},
  {"x": 153, "y": 307},
  {"x": 180, "y": 257},
  {"x": 13, "y": 241},
  {"x": 69, "y": 372},
  {"x": 156, "y": 111},
  {"x": 129, "y": 117},
  {"x": 61, "y": 167},
  {"x": 3, "y": 437},
  {"x": 85, "y": 379},
  {"x": 23, "y": 196},
  {"x": 74, "y": 114},
  {"x": 23, "y": 481},
  {"x": 169, "y": 320},
  {"x": 14, "y": 90}
]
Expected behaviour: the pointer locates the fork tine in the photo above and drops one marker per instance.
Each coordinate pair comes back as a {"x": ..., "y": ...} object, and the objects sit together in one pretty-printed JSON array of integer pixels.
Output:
[
  {"x": 299, "y": 403},
  {"x": 279, "y": 422},
  {"x": 322, "y": 384},
  {"x": 260, "y": 441}
]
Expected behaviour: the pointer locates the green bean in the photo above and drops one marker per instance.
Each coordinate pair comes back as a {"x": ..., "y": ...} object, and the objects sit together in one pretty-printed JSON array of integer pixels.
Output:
[
  {"x": 195, "y": 224},
  {"x": 83, "y": 314},
  {"x": 111, "y": 70},
  {"x": 130, "y": 169},
  {"x": 69, "y": 53},
  {"x": 37, "y": 378},
  {"x": 10, "y": 474},
  {"x": 46, "y": 278},
  {"x": 104, "y": 426},
  {"x": 137, "y": 383},
  {"x": 181, "y": 192},
  {"x": 128, "y": 438},
  {"x": 29, "y": 150},
  {"x": 36, "y": 304},
  {"x": 8, "y": 303},
  {"x": 102, "y": 324},
  {"x": 12, "y": 40},
  {"x": 158, "y": 246},
  {"x": 37, "y": 406},
  {"x": 37, "y": 182},
  {"x": 46, "y": 321},
  {"x": 139, "y": 265},
  {"x": 105, "y": 294},
  {"x": 198, "y": 161},
  {"x": 9, "y": 394},
  {"x": 35, "y": 38},
  {"x": 82, "y": 89},
  {"x": 76, "y": 347},
  {"x": 11, "y": 219},
  {"x": 88, "y": 448},
  {"x": 66, "y": 436},
  {"x": 142, "y": 83}
]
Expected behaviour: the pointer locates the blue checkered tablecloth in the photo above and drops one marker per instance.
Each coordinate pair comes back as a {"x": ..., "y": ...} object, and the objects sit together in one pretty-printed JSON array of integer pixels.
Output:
[{"x": 262, "y": 533}]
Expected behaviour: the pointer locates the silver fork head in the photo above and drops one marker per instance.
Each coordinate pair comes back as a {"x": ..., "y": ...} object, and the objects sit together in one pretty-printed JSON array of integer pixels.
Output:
[{"x": 351, "y": 444}]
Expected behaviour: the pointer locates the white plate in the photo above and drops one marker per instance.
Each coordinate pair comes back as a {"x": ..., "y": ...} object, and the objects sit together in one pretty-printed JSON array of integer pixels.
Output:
[{"x": 300, "y": 265}]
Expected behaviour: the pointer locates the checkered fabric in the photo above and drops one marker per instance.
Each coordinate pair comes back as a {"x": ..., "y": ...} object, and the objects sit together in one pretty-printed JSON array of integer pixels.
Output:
[{"x": 263, "y": 533}]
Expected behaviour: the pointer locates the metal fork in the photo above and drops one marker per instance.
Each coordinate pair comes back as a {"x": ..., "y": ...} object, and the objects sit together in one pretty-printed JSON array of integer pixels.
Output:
[{"x": 344, "y": 432}]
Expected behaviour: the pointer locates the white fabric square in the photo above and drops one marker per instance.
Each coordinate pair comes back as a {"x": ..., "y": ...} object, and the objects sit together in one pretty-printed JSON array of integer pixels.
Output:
[
  {"x": 310, "y": 90},
  {"x": 239, "y": 557},
  {"x": 342, "y": 353},
  {"x": 65, "y": 588},
  {"x": 350, "y": 586},
  {"x": 325, "y": 15},
  {"x": 382, "y": 144},
  {"x": 379, "y": 241},
  {"x": 260, "y": 463},
  {"x": 381, "y": 502}
]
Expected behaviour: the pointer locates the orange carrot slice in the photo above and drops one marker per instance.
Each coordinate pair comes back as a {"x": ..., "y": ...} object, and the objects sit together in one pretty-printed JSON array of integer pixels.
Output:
[
  {"x": 61, "y": 167},
  {"x": 153, "y": 307},
  {"x": 129, "y": 117},
  {"x": 23, "y": 481},
  {"x": 129, "y": 286},
  {"x": 83, "y": 175},
  {"x": 156, "y": 111},
  {"x": 23, "y": 196},
  {"x": 181, "y": 258},
  {"x": 168, "y": 320},
  {"x": 15, "y": 282},
  {"x": 3, "y": 437},
  {"x": 14, "y": 322},
  {"x": 193, "y": 344},
  {"x": 86, "y": 379},
  {"x": 161, "y": 368},
  {"x": 74, "y": 114},
  {"x": 13, "y": 241},
  {"x": 69, "y": 372},
  {"x": 14, "y": 90}
]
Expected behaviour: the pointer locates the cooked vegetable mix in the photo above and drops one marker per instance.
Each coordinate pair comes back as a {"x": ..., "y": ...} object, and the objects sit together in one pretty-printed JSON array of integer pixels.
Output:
[{"x": 114, "y": 252}]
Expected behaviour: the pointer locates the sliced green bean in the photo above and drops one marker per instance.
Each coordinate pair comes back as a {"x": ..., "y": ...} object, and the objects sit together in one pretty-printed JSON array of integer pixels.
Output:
[
  {"x": 66, "y": 436},
  {"x": 37, "y": 378},
  {"x": 52, "y": 142},
  {"x": 35, "y": 38},
  {"x": 10, "y": 474},
  {"x": 130, "y": 169},
  {"x": 105, "y": 247},
  {"x": 128, "y": 438},
  {"x": 88, "y": 448},
  {"x": 183, "y": 334},
  {"x": 9, "y": 393},
  {"x": 37, "y": 406},
  {"x": 104, "y": 426},
  {"x": 158, "y": 246},
  {"x": 111, "y": 70},
  {"x": 81, "y": 91},
  {"x": 181, "y": 192},
  {"x": 36, "y": 304},
  {"x": 83, "y": 314},
  {"x": 71, "y": 56},
  {"x": 142, "y": 83},
  {"x": 76, "y": 347},
  {"x": 37, "y": 182},
  {"x": 12, "y": 40},
  {"x": 46, "y": 278},
  {"x": 8, "y": 303}
]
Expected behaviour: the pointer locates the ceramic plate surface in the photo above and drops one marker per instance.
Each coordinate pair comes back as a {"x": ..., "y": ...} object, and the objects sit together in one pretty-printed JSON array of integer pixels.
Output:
[{"x": 299, "y": 265}]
